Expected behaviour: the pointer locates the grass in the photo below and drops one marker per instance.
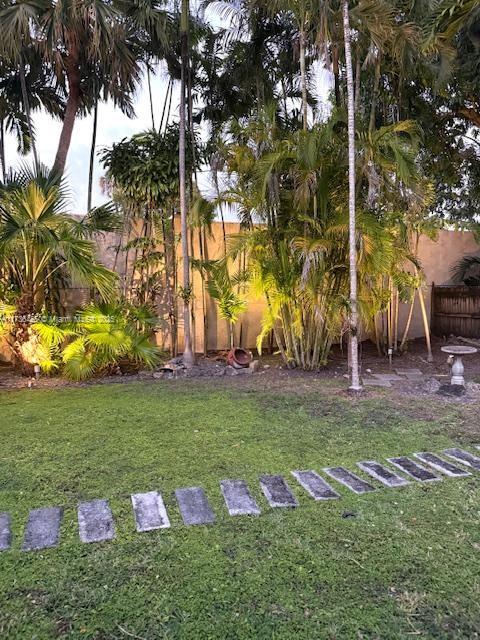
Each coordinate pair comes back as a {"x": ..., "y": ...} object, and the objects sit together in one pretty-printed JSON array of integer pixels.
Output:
[{"x": 405, "y": 564}]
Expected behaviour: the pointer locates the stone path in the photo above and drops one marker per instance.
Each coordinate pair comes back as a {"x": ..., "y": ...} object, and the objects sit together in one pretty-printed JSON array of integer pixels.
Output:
[
  {"x": 149, "y": 510},
  {"x": 43, "y": 529},
  {"x": 382, "y": 474},
  {"x": 349, "y": 479},
  {"x": 96, "y": 522},
  {"x": 194, "y": 506},
  {"x": 5, "y": 531},
  {"x": 399, "y": 375},
  {"x": 443, "y": 466},
  {"x": 277, "y": 492},
  {"x": 238, "y": 498},
  {"x": 464, "y": 457},
  {"x": 413, "y": 469},
  {"x": 315, "y": 485}
]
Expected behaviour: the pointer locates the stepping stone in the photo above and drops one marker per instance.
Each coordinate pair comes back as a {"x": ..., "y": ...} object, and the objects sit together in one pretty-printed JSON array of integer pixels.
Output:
[
  {"x": 5, "y": 531},
  {"x": 388, "y": 377},
  {"x": 413, "y": 469},
  {"x": 409, "y": 372},
  {"x": 415, "y": 377},
  {"x": 95, "y": 521},
  {"x": 43, "y": 529},
  {"x": 149, "y": 510},
  {"x": 194, "y": 506},
  {"x": 375, "y": 382},
  {"x": 315, "y": 485},
  {"x": 382, "y": 474},
  {"x": 465, "y": 457},
  {"x": 277, "y": 492},
  {"x": 349, "y": 479},
  {"x": 445, "y": 467},
  {"x": 238, "y": 498}
]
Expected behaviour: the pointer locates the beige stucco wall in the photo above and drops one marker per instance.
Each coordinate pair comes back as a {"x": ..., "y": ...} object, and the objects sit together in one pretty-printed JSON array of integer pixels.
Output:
[
  {"x": 249, "y": 323},
  {"x": 248, "y": 326},
  {"x": 437, "y": 257}
]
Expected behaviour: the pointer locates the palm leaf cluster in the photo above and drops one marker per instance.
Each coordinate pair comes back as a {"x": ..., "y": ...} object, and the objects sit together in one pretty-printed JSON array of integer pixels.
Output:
[
  {"x": 102, "y": 338},
  {"x": 38, "y": 238},
  {"x": 43, "y": 248}
]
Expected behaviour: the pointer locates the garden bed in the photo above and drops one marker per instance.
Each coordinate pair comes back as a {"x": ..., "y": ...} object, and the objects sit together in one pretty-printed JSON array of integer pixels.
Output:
[{"x": 271, "y": 372}]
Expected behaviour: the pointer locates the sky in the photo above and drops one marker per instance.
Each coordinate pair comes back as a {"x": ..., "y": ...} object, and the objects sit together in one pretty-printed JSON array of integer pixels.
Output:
[{"x": 113, "y": 126}]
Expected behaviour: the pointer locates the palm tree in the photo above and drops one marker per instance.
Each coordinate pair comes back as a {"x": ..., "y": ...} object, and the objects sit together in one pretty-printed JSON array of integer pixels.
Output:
[
  {"x": 298, "y": 258},
  {"x": 91, "y": 36},
  {"x": 221, "y": 287},
  {"x": 41, "y": 91},
  {"x": 93, "y": 48},
  {"x": 188, "y": 356},
  {"x": 355, "y": 383},
  {"x": 466, "y": 270},
  {"x": 304, "y": 13},
  {"x": 16, "y": 42},
  {"x": 38, "y": 240}
]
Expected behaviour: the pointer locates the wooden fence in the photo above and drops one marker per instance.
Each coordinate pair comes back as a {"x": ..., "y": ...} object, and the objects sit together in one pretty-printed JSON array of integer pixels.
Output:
[{"x": 456, "y": 311}]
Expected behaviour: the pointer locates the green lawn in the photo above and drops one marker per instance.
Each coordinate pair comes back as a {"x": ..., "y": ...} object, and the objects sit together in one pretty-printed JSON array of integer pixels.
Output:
[{"x": 406, "y": 565}]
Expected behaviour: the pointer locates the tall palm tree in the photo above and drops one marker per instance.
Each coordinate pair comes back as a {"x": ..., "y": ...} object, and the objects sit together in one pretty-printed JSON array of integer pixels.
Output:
[
  {"x": 355, "y": 383},
  {"x": 91, "y": 36},
  {"x": 188, "y": 356}
]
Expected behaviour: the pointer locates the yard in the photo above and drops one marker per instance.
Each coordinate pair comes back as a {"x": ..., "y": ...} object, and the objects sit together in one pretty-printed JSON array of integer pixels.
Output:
[{"x": 395, "y": 563}]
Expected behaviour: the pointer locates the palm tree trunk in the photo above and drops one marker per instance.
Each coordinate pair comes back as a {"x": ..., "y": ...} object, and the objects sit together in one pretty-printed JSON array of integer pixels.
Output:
[
  {"x": 188, "y": 356},
  {"x": 373, "y": 106},
  {"x": 303, "y": 76},
  {"x": 396, "y": 313},
  {"x": 2, "y": 150},
  {"x": 92, "y": 156},
  {"x": 336, "y": 76},
  {"x": 201, "y": 245},
  {"x": 149, "y": 82},
  {"x": 73, "y": 102},
  {"x": 377, "y": 334},
  {"x": 169, "y": 88},
  {"x": 408, "y": 323},
  {"x": 426, "y": 325},
  {"x": 358, "y": 75},
  {"x": 167, "y": 117},
  {"x": 28, "y": 115},
  {"x": 21, "y": 331},
  {"x": 355, "y": 384},
  {"x": 421, "y": 299},
  {"x": 220, "y": 207}
]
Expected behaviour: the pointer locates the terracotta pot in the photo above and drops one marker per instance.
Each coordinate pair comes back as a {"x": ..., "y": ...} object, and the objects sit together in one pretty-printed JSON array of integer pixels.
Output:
[{"x": 239, "y": 358}]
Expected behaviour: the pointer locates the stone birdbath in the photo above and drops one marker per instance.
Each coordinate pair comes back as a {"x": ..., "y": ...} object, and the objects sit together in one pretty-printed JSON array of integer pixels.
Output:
[{"x": 457, "y": 351}]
